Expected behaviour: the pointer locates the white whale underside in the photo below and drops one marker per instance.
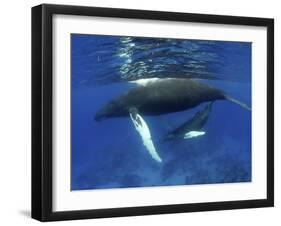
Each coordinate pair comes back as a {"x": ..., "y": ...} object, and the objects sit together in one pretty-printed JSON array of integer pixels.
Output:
[
  {"x": 143, "y": 129},
  {"x": 193, "y": 134}
]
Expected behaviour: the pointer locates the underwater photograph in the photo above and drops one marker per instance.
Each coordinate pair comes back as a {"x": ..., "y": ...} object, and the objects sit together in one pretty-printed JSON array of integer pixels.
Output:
[{"x": 149, "y": 111}]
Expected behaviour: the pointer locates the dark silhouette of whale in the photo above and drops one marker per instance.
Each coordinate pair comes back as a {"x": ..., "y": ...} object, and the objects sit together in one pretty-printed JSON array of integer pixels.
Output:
[
  {"x": 163, "y": 96},
  {"x": 196, "y": 123}
]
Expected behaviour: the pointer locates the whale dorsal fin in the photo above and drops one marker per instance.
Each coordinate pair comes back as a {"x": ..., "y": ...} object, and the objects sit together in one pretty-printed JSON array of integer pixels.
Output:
[{"x": 143, "y": 130}]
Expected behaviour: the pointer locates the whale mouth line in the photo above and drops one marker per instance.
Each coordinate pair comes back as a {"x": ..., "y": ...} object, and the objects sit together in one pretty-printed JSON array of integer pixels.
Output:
[{"x": 100, "y": 117}]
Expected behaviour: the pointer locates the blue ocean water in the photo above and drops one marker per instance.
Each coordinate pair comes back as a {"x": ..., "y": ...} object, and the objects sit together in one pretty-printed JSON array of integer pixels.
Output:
[{"x": 110, "y": 153}]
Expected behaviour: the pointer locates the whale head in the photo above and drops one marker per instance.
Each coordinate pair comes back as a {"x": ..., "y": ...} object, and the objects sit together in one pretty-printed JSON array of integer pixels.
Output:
[
  {"x": 110, "y": 110},
  {"x": 100, "y": 115}
]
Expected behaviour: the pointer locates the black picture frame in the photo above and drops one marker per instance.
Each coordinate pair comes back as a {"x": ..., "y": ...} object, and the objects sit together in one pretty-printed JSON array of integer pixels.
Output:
[{"x": 42, "y": 111}]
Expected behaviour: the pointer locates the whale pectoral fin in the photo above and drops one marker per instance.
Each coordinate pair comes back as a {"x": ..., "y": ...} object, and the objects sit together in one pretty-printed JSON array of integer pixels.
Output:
[
  {"x": 143, "y": 130},
  {"x": 192, "y": 134}
]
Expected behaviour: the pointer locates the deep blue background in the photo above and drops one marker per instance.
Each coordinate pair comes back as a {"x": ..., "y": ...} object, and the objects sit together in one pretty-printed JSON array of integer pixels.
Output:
[{"x": 110, "y": 154}]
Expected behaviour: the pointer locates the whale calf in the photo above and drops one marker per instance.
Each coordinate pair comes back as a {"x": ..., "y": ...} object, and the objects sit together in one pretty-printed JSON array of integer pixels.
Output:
[
  {"x": 191, "y": 128},
  {"x": 163, "y": 96}
]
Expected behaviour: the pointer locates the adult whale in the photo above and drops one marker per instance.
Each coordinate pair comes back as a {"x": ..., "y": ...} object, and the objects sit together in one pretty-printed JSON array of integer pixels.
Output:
[{"x": 162, "y": 96}]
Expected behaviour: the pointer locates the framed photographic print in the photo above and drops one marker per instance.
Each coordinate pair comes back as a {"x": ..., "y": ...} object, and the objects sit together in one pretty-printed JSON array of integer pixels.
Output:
[{"x": 146, "y": 112}]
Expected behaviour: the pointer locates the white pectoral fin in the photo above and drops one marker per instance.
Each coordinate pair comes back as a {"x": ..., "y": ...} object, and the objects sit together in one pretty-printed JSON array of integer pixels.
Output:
[
  {"x": 192, "y": 134},
  {"x": 143, "y": 130}
]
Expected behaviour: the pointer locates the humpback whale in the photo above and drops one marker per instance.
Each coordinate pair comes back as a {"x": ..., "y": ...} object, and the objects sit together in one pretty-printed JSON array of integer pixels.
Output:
[
  {"x": 192, "y": 127},
  {"x": 163, "y": 96}
]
